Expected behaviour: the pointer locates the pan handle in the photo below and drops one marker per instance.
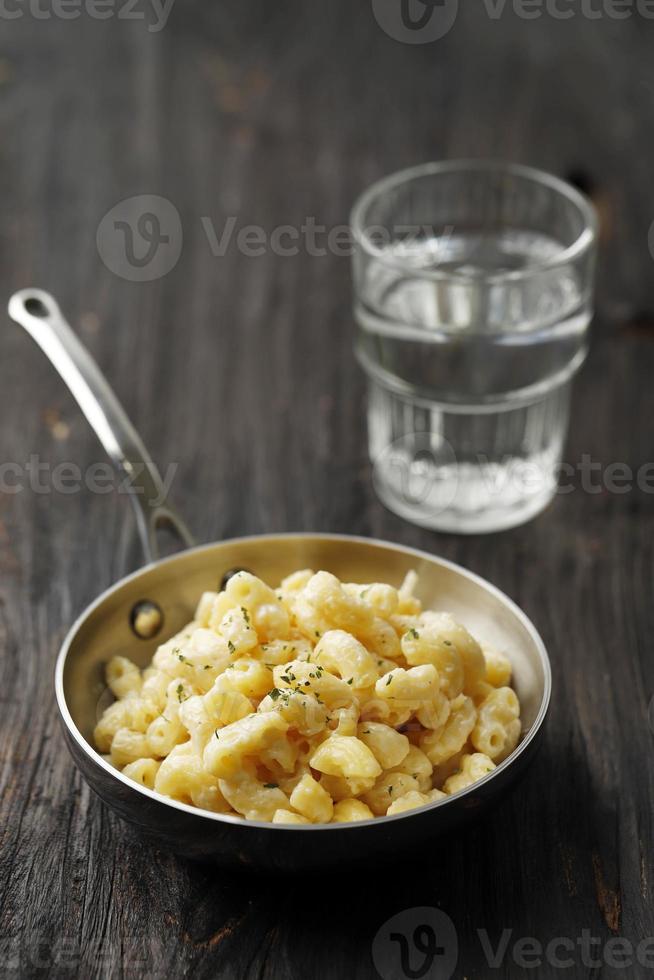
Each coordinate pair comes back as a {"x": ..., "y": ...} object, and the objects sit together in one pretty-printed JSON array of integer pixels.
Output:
[{"x": 38, "y": 312}]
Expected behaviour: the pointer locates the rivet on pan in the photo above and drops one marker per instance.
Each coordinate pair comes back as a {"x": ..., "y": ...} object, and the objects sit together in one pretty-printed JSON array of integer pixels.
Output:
[
  {"x": 230, "y": 574},
  {"x": 146, "y": 619}
]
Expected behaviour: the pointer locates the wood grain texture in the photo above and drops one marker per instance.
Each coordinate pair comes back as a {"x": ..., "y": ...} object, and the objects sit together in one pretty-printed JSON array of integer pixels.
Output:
[{"x": 238, "y": 370}]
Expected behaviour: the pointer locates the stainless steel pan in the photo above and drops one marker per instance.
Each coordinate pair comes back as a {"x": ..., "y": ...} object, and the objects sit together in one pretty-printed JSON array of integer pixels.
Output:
[{"x": 111, "y": 625}]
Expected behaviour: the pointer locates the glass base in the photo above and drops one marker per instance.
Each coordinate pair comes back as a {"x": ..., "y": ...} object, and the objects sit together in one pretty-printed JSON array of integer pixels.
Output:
[
  {"x": 455, "y": 520},
  {"x": 470, "y": 471}
]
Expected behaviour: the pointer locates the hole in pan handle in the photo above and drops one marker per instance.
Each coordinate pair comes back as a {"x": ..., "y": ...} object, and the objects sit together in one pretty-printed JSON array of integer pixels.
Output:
[{"x": 38, "y": 312}]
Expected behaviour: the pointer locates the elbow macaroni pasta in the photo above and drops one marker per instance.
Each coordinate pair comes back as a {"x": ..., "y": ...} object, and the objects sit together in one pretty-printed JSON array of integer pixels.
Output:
[{"x": 316, "y": 702}]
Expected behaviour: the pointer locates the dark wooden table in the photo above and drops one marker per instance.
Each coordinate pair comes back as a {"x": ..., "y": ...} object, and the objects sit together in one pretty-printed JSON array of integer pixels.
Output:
[{"x": 238, "y": 370}]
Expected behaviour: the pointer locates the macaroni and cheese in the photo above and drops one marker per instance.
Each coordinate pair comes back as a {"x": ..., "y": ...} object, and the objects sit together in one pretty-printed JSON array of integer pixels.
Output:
[{"x": 316, "y": 702}]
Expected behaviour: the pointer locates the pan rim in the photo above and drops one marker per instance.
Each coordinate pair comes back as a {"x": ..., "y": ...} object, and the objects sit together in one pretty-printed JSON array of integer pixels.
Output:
[{"x": 222, "y": 818}]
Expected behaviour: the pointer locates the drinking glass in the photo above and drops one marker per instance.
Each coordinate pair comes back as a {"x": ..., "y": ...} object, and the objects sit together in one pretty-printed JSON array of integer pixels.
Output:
[{"x": 473, "y": 295}]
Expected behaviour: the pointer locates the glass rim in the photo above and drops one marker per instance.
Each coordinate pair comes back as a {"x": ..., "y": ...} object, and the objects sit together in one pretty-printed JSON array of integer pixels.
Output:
[{"x": 583, "y": 243}]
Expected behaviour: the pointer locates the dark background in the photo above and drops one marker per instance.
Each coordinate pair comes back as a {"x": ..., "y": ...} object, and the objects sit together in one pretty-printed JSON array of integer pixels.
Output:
[{"x": 239, "y": 370}]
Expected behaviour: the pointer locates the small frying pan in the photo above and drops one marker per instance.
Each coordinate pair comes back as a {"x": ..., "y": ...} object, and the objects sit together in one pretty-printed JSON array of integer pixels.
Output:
[{"x": 138, "y": 613}]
